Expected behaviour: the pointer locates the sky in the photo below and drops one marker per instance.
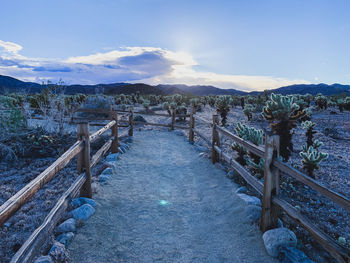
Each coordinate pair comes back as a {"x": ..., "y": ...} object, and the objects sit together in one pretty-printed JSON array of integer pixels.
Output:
[{"x": 241, "y": 44}]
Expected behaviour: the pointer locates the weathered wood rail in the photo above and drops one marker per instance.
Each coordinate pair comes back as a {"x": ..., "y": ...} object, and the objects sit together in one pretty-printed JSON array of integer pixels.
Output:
[{"x": 272, "y": 204}]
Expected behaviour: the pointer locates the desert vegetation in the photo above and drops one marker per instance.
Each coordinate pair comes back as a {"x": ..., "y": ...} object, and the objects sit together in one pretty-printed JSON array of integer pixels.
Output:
[{"x": 314, "y": 133}]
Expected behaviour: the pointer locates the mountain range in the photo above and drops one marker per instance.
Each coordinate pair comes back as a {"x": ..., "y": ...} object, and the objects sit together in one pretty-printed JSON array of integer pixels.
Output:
[{"x": 9, "y": 85}]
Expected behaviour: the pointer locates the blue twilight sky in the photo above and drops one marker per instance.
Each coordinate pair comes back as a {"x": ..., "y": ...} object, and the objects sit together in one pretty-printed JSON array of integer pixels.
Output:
[{"x": 245, "y": 44}]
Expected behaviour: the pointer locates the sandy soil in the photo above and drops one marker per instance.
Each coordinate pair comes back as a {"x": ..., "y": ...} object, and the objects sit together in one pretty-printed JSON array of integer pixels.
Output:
[{"x": 167, "y": 204}]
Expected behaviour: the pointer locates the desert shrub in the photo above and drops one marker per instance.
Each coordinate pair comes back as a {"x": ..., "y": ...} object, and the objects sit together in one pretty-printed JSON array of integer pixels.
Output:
[
  {"x": 282, "y": 112},
  {"x": 321, "y": 101},
  {"x": 223, "y": 107},
  {"x": 248, "y": 111},
  {"x": 11, "y": 117}
]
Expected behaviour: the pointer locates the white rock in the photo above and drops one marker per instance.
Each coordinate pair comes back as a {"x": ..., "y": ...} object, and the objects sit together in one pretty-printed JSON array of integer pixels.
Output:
[
  {"x": 43, "y": 259},
  {"x": 250, "y": 200},
  {"x": 277, "y": 238}
]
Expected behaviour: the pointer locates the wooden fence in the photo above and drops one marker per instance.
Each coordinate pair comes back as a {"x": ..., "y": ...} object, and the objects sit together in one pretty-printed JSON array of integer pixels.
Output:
[
  {"x": 272, "y": 204},
  {"x": 82, "y": 185}
]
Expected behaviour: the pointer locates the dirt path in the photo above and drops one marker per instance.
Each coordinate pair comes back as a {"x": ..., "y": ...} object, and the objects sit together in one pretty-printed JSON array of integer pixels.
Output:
[{"x": 167, "y": 204}]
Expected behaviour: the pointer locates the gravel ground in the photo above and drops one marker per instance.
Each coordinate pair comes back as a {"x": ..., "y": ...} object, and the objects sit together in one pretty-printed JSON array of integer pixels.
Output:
[{"x": 167, "y": 204}]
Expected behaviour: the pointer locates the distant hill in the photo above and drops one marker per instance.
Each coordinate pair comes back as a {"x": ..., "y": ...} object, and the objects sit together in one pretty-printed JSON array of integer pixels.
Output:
[
  {"x": 312, "y": 89},
  {"x": 203, "y": 90},
  {"x": 9, "y": 84}
]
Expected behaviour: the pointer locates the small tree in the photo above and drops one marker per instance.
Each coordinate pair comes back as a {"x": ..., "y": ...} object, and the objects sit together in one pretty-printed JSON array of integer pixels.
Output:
[
  {"x": 223, "y": 107},
  {"x": 282, "y": 112}
]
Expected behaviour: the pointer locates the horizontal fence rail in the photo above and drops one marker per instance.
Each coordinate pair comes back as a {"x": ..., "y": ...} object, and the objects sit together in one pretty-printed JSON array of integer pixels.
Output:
[{"x": 22, "y": 197}]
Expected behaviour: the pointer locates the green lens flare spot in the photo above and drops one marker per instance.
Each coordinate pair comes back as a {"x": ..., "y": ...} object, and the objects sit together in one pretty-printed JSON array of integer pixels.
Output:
[{"x": 163, "y": 202}]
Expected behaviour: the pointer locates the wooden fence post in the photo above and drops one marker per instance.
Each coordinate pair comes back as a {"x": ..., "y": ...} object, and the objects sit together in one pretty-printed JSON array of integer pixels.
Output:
[
  {"x": 172, "y": 119},
  {"x": 215, "y": 140},
  {"x": 115, "y": 143},
  {"x": 131, "y": 123},
  {"x": 191, "y": 132},
  {"x": 269, "y": 214},
  {"x": 84, "y": 159}
]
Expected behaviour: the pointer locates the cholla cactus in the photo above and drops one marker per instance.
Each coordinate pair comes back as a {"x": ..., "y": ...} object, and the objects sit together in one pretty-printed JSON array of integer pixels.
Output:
[
  {"x": 248, "y": 111},
  {"x": 282, "y": 112},
  {"x": 196, "y": 103},
  {"x": 311, "y": 159},
  {"x": 178, "y": 99},
  {"x": 316, "y": 144},
  {"x": 173, "y": 105},
  {"x": 340, "y": 104},
  {"x": 254, "y": 136},
  {"x": 242, "y": 102},
  {"x": 211, "y": 101},
  {"x": 166, "y": 106},
  {"x": 321, "y": 101},
  {"x": 258, "y": 167},
  {"x": 347, "y": 103},
  {"x": 181, "y": 109},
  {"x": 250, "y": 134},
  {"x": 146, "y": 104},
  {"x": 309, "y": 127},
  {"x": 223, "y": 107}
]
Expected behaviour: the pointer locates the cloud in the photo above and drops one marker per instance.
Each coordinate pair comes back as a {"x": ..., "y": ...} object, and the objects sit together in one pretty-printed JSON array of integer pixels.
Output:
[
  {"x": 128, "y": 64},
  {"x": 10, "y": 47}
]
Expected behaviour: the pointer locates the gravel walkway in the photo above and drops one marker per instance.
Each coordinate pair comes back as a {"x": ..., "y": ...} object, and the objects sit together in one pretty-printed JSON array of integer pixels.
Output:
[{"x": 167, "y": 204}]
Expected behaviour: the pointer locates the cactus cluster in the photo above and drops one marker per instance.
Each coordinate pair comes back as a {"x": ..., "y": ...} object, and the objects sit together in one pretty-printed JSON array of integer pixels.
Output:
[
  {"x": 321, "y": 101},
  {"x": 223, "y": 107},
  {"x": 254, "y": 136},
  {"x": 283, "y": 112},
  {"x": 248, "y": 111},
  {"x": 312, "y": 157}
]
